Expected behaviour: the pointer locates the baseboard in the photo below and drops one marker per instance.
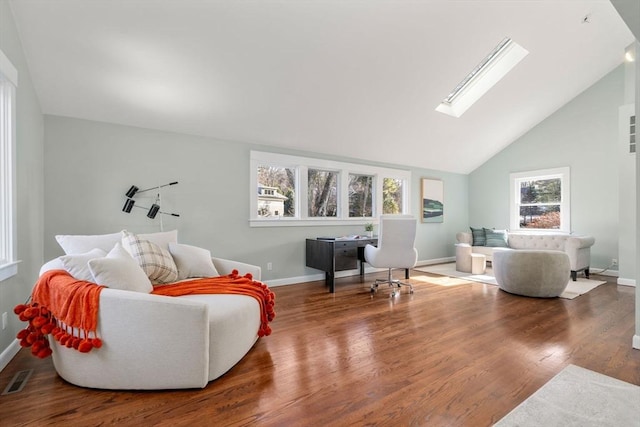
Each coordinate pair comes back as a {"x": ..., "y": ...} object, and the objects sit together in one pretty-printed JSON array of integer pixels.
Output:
[
  {"x": 339, "y": 274},
  {"x": 9, "y": 353},
  {"x": 422, "y": 263},
  {"x": 626, "y": 282},
  {"x": 294, "y": 280},
  {"x": 636, "y": 342},
  {"x": 611, "y": 273}
]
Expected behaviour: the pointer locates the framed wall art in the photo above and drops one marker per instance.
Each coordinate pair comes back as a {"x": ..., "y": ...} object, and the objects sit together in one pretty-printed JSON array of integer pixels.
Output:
[{"x": 432, "y": 200}]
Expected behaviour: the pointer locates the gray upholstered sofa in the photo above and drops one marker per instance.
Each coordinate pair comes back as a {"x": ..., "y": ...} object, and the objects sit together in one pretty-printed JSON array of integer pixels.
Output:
[{"x": 577, "y": 247}]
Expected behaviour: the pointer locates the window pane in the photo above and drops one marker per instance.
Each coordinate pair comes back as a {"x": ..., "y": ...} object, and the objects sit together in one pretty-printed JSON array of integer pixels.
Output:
[
  {"x": 276, "y": 192},
  {"x": 322, "y": 193},
  {"x": 360, "y": 195},
  {"x": 392, "y": 196},
  {"x": 547, "y": 216},
  {"x": 540, "y": 199},
  {"x": 540, "y": 191}
]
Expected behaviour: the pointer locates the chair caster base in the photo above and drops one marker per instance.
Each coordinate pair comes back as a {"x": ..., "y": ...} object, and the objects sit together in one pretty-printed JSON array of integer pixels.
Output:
[{"x": 395, "y": 286}]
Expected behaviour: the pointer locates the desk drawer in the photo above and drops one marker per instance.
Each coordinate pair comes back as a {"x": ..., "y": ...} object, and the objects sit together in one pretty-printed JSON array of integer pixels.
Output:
[{"x": 346, "y": 257}]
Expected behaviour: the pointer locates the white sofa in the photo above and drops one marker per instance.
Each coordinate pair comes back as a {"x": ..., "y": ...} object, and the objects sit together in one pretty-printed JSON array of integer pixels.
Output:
[
  {"x": 577, "y": 247},
  {"x": 152, "y": 341},
  {"x": 158, "y": 342}
]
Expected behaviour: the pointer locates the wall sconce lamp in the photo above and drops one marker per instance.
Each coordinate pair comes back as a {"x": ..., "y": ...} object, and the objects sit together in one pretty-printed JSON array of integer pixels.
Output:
[{"x": 154, "y": 210}]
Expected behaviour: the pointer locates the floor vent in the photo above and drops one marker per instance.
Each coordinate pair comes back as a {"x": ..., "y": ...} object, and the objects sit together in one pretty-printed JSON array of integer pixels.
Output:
[{"x": 18, "y": 382}]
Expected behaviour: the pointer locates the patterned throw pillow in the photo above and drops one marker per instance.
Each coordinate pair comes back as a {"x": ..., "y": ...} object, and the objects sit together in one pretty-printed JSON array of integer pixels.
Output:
[
  {"x": 156, "y": 261},
  {"x": 478, "y": 235},
  {"x": 496, "y": 238}
]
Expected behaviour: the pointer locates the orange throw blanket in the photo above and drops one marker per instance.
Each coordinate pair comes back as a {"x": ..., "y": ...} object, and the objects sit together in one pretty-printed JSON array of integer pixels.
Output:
[
  {"x": 67, "y": 308},
  {"x": 229, "y": 284},
  {"x": 64, "y": 307}
]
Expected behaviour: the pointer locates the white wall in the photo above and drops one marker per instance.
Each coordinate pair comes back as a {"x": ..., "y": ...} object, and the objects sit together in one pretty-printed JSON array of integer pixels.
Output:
[
  {"x": 582, "y": 135},
  {"x": 627, "y": 181},
  {"x": 636, "y": 337},
  {"x": 29, "y": 158},
  {"x": 630, "y": 12},
  {"x": 90, "y": 165}
]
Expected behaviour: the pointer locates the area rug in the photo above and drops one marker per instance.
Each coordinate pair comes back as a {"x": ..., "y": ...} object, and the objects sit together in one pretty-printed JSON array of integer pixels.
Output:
[
  {"x": 578, "y": 397},
  {"x": 574, "y": 289}
]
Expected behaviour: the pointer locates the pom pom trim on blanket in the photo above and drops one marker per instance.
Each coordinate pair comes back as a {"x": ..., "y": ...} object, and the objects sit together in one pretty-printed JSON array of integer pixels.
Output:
[{"x": 64, "y": 308}]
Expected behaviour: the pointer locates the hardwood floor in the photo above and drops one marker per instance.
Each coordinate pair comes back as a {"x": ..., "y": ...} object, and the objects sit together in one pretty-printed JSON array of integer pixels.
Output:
[{"x": 445, "y": 356}]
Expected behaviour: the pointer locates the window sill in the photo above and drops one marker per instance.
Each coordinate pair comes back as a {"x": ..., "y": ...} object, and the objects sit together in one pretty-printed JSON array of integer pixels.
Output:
[
  {"x": 291, "y": 222},
  {"x": 8, "y": 270}
]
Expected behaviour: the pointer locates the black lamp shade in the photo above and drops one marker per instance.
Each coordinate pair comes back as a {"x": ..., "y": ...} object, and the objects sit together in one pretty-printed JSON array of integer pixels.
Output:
[
  {"x": 128, "y": 205},
  {"x": 153, "y": 211},
  {"x": 132, "y": 192}
]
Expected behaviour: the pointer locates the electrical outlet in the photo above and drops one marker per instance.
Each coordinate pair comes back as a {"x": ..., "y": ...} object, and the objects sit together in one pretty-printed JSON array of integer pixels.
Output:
[
  {"x": 4, "y": 320},
  {"x": 614, "y": 261},
  {"x": 269, "y": 266}
]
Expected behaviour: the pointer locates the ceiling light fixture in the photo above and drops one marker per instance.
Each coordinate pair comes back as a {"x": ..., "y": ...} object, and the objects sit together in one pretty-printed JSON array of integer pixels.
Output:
[
  {"x": 506, "y": 55},
  {"x": 629, "y": 56}
]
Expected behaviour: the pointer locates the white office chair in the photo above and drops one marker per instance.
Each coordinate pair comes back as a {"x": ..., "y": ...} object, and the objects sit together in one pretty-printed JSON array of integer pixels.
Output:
[{"x": 396, "y": 249}]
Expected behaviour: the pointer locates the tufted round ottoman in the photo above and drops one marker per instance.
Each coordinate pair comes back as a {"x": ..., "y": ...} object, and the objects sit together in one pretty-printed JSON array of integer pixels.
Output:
[{"x": 532, "y": 273}]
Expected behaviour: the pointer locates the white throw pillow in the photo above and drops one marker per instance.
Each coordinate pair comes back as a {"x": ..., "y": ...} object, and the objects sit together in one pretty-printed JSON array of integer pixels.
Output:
[
  {"x": 162, "y": 238},
  {"x": 156, "y": 261},
  {"x": 80, "y": 244},
  {"x": 192, "y": 261},
  {"x": 118, "y": 270},
  {"x": 78, "y": 265}
]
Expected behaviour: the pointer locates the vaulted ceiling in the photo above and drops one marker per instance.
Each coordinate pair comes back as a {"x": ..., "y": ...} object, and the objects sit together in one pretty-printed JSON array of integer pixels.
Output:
[{"x": 354, "y": 78}]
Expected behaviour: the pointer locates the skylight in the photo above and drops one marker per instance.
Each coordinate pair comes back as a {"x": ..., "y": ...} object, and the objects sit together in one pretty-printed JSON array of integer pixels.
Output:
[{"x": 487, "y": 73}]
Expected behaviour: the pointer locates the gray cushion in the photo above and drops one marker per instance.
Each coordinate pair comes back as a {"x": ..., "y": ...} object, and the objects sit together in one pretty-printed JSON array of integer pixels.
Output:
[
  {"x": 496, "y": 238},
  {"x": 478, "y": 236}
]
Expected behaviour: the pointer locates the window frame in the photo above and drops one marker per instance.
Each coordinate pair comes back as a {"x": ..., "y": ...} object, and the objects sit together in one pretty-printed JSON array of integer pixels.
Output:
[
  {"x": 564, "y": 174},
  {"x": 8, "y": 251},
  {"x": 301, "y": 166}
]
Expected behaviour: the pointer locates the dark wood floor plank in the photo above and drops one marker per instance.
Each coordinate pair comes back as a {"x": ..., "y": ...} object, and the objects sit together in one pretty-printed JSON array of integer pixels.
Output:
[{"x": 446, "y": 355}]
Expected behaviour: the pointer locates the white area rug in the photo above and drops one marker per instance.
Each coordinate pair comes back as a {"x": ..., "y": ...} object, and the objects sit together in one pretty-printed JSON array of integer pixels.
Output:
[
  {"x": 578, "y": 397},
  {"x": 574, "y": 289}
]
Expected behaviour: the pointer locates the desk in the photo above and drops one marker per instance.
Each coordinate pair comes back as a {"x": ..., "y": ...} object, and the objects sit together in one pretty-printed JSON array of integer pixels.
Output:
[{"x": 331, "y": 255}]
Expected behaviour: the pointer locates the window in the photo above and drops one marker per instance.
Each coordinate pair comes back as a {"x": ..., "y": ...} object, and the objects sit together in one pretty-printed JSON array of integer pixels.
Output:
[
  {"x": 506, "y": 55},
  {"x": 540, "y": 200},
  {"x": 292, "y": 190},
  {"x": 360, "y": 195},
  {"x": 322, "y": 193},
  {"x": 276, "y": 192},
  {"x": 8, "y": 83},
  {"x": 392, "y": 196}
]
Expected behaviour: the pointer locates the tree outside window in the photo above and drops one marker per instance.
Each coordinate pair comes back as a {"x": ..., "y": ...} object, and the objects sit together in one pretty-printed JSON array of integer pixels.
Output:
[
  {"x": 540, "y": 203},
  {"x": 322, "y": 193},
  {"x": 391, "y": 196},
  {"x": 541, "y": 199},
  {"x": 360, "y": 195}
]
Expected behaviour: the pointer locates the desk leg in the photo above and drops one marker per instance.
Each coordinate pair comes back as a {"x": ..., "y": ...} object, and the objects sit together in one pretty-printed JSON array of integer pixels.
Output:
[
  {"x": 406, "y": 273},
  {"x": 330, "y": 280},
  {"x": 361, "y": 271}
]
